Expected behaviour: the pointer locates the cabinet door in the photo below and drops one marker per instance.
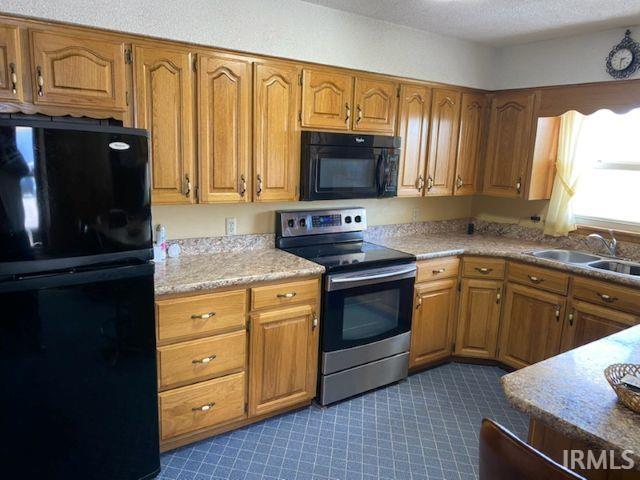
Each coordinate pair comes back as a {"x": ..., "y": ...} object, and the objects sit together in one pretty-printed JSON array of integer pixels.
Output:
[
  {"x": 587, "y": 322},
  {"x": 164, "y": 106},
  {"x": 509, "y": 145},
  {"x": 376, "y": 106},
  {"x": 478, "y": 318},
  {"x": 415, "y": 104},
  {"x": 326, "y": 99},
  {"x": 432, "y": 327},
  {"x": 11, "y": 88},
  {"x": 283, "y": 359},
  {"x": 443, "y": 142},
  {"x": 276, "y": 134},
  {"x": 224, "y": 126},
  {"x": 78, "y": 71},
  {"x": 472, "y": 122},
  {"x": 531, "y": 325}
]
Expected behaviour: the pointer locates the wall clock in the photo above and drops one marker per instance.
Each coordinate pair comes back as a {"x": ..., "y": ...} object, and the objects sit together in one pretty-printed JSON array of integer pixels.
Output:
[{"x": 624, "y": 59}]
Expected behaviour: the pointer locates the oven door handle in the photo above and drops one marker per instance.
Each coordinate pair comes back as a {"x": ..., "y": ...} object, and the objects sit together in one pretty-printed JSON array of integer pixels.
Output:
[{"x": 377, "y": 276}]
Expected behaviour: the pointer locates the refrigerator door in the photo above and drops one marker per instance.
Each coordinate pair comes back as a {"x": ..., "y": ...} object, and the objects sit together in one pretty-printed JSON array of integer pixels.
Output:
[
  {"x": 72, "y": 195},
  {"x": 78, "y": 370}
]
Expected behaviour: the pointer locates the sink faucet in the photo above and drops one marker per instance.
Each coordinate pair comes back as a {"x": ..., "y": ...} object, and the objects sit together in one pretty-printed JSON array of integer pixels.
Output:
[{"x": 612, "y": 245}]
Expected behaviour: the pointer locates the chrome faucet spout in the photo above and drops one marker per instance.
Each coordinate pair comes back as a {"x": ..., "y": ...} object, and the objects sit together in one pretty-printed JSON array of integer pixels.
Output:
[{"x": 611, "y": 245}]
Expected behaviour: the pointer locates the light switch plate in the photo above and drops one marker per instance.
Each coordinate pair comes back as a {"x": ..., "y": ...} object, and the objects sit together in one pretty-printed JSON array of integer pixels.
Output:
[{"x": 230, "y": 226}]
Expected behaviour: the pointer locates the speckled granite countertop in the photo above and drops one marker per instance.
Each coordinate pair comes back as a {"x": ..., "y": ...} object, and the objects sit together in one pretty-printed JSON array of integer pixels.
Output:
[
  {"x": 425, "y": 246},
  {"x": 213, "y": 270},
  {"x": 570, "y": 393}
]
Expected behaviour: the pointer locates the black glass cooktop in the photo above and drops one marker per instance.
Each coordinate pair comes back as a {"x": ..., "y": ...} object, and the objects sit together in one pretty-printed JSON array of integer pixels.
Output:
[{"x": 351, "y": 255}]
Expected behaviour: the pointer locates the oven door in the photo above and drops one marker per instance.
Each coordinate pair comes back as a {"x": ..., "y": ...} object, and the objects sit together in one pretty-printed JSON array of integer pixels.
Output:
[
  {"x": 334, "y": 172},
  {"x": 367, "y": 306}
]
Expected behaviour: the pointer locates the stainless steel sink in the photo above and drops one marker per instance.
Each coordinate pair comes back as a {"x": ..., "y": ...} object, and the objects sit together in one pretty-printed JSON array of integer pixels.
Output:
[
  {"x": 617, "y": 266},
  {"x": 566, "y": 256}
]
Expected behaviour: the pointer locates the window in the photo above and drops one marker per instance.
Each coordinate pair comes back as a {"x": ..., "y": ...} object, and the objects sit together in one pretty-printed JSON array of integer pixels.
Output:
[{"x": 608, "y": 193}]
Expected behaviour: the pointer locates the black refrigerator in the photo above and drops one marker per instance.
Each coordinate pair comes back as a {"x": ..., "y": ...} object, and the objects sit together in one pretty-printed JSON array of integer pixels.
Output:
[{"x": 77, "y": 331}]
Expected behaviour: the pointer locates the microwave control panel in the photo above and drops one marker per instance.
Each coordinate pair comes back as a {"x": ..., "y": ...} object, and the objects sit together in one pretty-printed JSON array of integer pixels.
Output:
[{"x": 293, "y": 223}]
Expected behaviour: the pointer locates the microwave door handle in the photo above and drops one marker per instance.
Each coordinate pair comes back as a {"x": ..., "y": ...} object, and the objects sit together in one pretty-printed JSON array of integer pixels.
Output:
[
  {"x": 374, "y": 277},
  {"x": 380, "y": 175}
]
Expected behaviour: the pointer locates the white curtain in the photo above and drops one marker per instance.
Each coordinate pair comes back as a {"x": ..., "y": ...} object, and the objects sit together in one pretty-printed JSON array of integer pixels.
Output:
[{"x": 569, "y": 168}]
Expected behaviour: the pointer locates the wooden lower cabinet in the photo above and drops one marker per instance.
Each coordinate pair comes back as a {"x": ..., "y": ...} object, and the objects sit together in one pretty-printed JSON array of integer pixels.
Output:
[
  {"x": 432, "y": 327},
  {"x": 284, "y": 346},
  {"x": 531, "y": 325},
  {"x": 478, "y": 318},
  {"x": 587, "y": 322}
]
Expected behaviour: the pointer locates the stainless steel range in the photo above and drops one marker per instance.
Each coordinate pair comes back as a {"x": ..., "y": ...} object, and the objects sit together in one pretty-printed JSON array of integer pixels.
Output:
[{"x": 366, "y": 299}]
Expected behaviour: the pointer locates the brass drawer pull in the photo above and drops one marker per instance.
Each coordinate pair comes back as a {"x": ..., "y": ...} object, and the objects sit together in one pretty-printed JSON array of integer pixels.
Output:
[
  {"x": 607, "y": 298},
  {"x": 286, "y": 295},
  {"x": 204, "y": 360},
  {"x": 535, "y": 279},
  {"x": 440, "y": 270},
  {"x": 204, "y": 408},
  {"x": 203, "y": 316},
  {"x": 484, "y": 270}
]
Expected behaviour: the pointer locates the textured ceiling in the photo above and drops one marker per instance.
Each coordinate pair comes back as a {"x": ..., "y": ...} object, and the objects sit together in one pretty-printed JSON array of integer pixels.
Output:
[{"x": 498, "y": 22}]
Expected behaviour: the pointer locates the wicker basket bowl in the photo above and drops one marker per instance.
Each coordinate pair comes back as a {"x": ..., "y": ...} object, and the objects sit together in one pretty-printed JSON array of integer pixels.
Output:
[{"x": 614, "y": 374}]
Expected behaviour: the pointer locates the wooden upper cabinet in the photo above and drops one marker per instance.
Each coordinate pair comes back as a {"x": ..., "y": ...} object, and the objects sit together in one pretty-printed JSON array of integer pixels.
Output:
[
  {"x": 224, "y": 127},
  {"x": 472, "y": 122},
  {"x": 276, "y": 135},
  {"x": 587, "y": 323},
  {"x": 415, "y": 105},
  {"x": 531, "y": 325},
  {"x": 11, "y": 70},
  {"x": 443, "y": 142},
  {"x": 478, "y": 318},
  {"x": 432, "y": 327},
  {"x": 509, "y": 144},
  {"x": 164, "y": 106},
  {"x": 327, "y": 99},
  {"x": 283, "y": 359},
  {"x": 376, "y": 104},
  {"x": 78, "y": 71}
]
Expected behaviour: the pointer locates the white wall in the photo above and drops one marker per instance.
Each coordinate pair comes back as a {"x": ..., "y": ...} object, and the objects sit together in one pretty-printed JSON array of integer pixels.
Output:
[
  {"x": 286, "y": 28},
  {"x": 575, "y": 59}
]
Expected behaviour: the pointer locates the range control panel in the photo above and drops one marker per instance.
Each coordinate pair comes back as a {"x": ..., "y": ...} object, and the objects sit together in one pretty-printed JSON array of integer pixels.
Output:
[{"x": 294, "y": 223}]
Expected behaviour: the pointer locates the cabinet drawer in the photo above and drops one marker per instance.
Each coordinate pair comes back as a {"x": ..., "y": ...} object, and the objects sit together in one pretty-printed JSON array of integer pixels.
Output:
[
  {"x": 483, "y": 267},
  {"x": 200, "y": 359},
  {"x": 541, "y": 278},
  {"x": 205, "y": 404},
  {"x": 284, "y": 294},
  {"x": 200, "y": 314},
  {"x": 607, "y": 294},
  {"x": 437, "y": 269}
]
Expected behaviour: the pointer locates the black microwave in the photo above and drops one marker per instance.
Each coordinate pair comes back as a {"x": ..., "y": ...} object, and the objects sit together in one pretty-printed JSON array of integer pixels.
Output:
[{"x": 340, "y": 165}]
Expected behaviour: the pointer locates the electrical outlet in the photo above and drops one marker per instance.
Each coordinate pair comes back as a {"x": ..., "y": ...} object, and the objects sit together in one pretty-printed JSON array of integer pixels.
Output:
[
  {"x": 230, "y": 226},
  {"x": 415, "y": 215}
]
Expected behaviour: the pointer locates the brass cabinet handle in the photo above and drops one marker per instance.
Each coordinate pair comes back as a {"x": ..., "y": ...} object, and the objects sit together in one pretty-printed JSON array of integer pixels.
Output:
[
  {"x": 14, "y": 78},
  {"x": 484, "y": 270},
  {"x": 204, "y": 360},
  {"x": 39, "y": 81},
  {"x": 314, "y": 322},
  {"x": 259, "y": 188},
  {"x": 499, "y": 295},
  {"x": 535, "y": 279},
  {"x": 203, "y": 316},
  {"x": 571, "y": 319},
  {"x": 558, "y": 313},
  {"x": 186, "y": 186},
  {"x": 459, "y": 182},
  {"x": 204, "y": 408},
  {"x": 429, "y": 183},
  {"x": 440, "y": 270},
  {"x": 519, "y": 185},
  {"x": 348, "y": 115},
  {"x": 607, "y": 298},
  {"x": 420, "y": 183},
  {"x": 243, "y": 185},
  {"x": 286, "y": 295},
  {"x": 359, "y": 114},
  {"x": 418, "y": 301}
]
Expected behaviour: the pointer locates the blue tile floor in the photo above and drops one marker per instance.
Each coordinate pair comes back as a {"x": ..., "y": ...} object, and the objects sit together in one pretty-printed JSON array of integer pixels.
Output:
[{"x": 423, "y": 428}]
